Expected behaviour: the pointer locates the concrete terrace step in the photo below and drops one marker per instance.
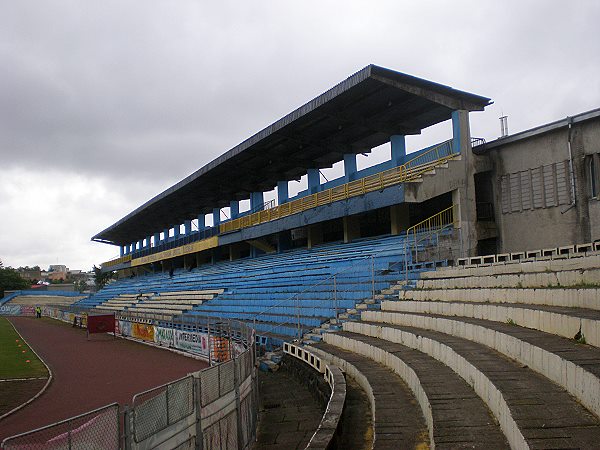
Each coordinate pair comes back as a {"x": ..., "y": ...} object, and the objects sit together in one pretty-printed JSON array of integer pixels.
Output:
[
  {"x": 397, "y": 420},
  {"x": 533, "y": 412},
  {"x": 574, "y": 366},
  {"x": 574, "y": 298},
  {"x": 456, "y": 416},
  {"x": 526, "y": 280},
  {"x": 562, "y": 321},
  {"x": 557, "y": 265}
]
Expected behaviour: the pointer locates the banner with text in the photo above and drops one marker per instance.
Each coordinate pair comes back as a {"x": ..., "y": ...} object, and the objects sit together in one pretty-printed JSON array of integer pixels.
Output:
[{"x": 192, "y": 342}]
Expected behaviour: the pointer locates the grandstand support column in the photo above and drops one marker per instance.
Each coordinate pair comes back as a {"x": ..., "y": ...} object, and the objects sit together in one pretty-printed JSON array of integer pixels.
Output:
[
  {"x": 216, "y": 216},
  {"x": 399, "y": 218},
  {"x": 176, "y": 231},
  {"x": 398, "y": 149},
  {"x": 257, "y": 201},
  {"x": 156, "y": 239},
  {"x": 351, "y": 228},
  {"x": 201, "y": 222},
  {"x": 282, "y": 192},
  {"x": 284, "y": 241},
  {"x": 464, "y": 196},
  {"x": 234, "y": 251},
  {"x": 187, "y": 225},
  {"x": 166, "y": 235},
  {"x": 121, "y": 250},
  {"x": 350, "y": 167},
  {"x": 315, "y": 235},
  {"x": 314, "y": 181},
  {"x": 148, "y": 242},
  {"x": 234, "y": 206}
]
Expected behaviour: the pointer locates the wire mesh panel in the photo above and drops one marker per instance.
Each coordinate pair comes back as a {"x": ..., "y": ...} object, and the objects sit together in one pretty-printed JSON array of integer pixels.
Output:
[
  {"x": 209, "y": 385},
  {"x": 158, "y": 408},
  {"x": 247, "y": 419},
  {"x": 96, "y": 430},
  {"x": 226, "y": 377},
  {"x": 180, "y": 399},
  {"x": 149, "y": 413}
]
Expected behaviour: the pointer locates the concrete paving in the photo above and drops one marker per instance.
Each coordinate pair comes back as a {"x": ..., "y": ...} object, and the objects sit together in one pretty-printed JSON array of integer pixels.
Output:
[
  {"x": 398, "y": 422},
  {"x": 289, "y": 413},
  {"x": 547, "y": 416}
]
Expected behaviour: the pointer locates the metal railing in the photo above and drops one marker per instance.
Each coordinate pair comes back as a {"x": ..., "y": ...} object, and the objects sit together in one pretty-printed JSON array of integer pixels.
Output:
[
  {"x": 408, "y": 171},
  {"x": 426, "y": 229},
  {"x": 214, "y": 408}
]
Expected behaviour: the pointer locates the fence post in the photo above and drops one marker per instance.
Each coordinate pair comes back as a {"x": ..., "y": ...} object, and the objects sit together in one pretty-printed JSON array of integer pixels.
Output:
[
  {"x": 373, "y": 275},
  {"x": 198, "y": 407},
  {"x": 298, "y": 316},
  {"x": 335, "y": 296},
  {"x": 238, "y": 408},
  {"x": 127, "y": 434}
]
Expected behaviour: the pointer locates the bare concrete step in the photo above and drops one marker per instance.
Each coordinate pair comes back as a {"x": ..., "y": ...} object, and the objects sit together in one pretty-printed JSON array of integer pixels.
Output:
[
  {"x": 562, "y": 321},
  {"x": 572, "y": 365},
  {"x": 546, "y": 416},
  {"x": 459, "y": 418},
  {"x": 398, "y": 422},
  {"x": 572, "y": 298}
]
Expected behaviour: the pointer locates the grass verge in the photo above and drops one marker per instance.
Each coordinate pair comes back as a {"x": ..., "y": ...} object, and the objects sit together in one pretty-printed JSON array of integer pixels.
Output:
[{"x": 16, "y": 358}]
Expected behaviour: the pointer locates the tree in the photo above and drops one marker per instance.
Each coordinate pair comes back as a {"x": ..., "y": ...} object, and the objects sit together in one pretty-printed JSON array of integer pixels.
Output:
[
  {"x": 80, "y": 285},
  {"x": 11, "y": 280},
  {"x": 101, "y": 278}
]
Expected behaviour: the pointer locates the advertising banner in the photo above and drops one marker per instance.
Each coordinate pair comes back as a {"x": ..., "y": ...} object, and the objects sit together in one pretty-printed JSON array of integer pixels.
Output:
[
  {"x": 101, "y": 324},
  {"x": 164, "y": 336},
  {"x": 192, "y": 342},
  {"x": 17, "y": 310},
  {"x": 142, "y": 331},
  {"x": 125, "y": 327}
]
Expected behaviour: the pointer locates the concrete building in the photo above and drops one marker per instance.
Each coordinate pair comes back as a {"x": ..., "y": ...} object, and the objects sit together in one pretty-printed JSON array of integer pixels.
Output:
[
  {"x": 533, "y": 190},
  {"x": 543, "y": 184}
]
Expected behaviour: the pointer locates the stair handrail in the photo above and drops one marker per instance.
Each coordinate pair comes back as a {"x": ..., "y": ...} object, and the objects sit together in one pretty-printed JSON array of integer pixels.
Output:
[
  {"x": 426, "y": 228},
  {"x": 408, "y": 171}
]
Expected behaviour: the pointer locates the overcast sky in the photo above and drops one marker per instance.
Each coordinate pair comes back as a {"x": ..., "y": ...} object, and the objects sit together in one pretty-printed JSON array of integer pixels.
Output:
[{"x": 105, "y": 104}]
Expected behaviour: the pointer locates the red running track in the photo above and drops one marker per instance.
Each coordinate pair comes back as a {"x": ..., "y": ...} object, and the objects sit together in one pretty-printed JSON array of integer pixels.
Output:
[{"x": 89, "y": 374}]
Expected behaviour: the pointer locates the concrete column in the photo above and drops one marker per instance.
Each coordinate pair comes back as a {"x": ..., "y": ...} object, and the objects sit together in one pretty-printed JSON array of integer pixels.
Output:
[
  {"x": 458, "y": 129},
  {"x": 351, "y": 228},
  {"x": 121, "y": 250},
  {"x": 216, "y": 216},
  {"x": 166, "y": 233},
  {"x": 156, "y": 239},
  {"x": 398, "y": 144},
  {"x": 234, "y": 251},
  {"x": 399, "y": 218},
  {"x": 464, "y": 196},
  {"x": 148, "y": 241},
  {"x": 176, "y": 232},
  {"x": 315, "y": 235},
  {"x": 187, "y": 225},
  {"x": 282, "y": 192},
  {"x": 201, "y": 222},
  {"x": 234, "y": 205},
  {"x": 131, "y": 248},
  {"x": 257, "y": 201},
  {"x": 314, "y": 181},
  {"x": 284, "y": 241},
  {"x": 350, "y": 167}
]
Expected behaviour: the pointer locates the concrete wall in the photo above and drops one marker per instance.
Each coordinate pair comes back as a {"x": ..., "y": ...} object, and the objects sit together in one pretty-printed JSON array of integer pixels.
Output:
[{"x": 549, "y": 226}]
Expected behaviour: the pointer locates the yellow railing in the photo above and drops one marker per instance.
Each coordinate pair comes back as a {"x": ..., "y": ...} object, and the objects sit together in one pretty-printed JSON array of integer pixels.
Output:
[
  {"x": 443, "y": 219},
  {"x": 114, "y": 262},
  {"x": 408, "y": 171}
]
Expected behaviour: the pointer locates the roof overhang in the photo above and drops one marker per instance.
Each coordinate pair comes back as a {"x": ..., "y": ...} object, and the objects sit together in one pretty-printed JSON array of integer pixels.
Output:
[{"x": 358, "y": 114}]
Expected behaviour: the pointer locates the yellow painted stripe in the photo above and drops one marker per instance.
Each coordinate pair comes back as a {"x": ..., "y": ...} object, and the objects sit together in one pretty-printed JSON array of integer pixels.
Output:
[{"x": 194, "y": 247}]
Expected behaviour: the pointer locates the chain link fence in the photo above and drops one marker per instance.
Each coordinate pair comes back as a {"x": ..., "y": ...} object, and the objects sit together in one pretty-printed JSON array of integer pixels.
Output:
[
  {"x": 94, "y": 430},
  {"x": 215, "y": 408}
]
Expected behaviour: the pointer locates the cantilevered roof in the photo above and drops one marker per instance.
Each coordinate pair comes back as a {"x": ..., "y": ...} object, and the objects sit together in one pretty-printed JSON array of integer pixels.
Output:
[{"x": 354, "y": 116}]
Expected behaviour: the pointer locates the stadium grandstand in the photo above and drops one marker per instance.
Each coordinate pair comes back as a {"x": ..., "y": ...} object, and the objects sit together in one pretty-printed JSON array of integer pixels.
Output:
[{"x": 456, "y": 287}]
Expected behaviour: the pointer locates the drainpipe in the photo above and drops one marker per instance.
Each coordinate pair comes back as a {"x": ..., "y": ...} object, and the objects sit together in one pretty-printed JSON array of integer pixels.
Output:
[{"x": 571, "y": 172}]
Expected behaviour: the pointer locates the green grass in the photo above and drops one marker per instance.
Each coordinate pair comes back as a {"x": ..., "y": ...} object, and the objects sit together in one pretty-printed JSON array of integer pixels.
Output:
[{"x": 14, "y": 354}]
